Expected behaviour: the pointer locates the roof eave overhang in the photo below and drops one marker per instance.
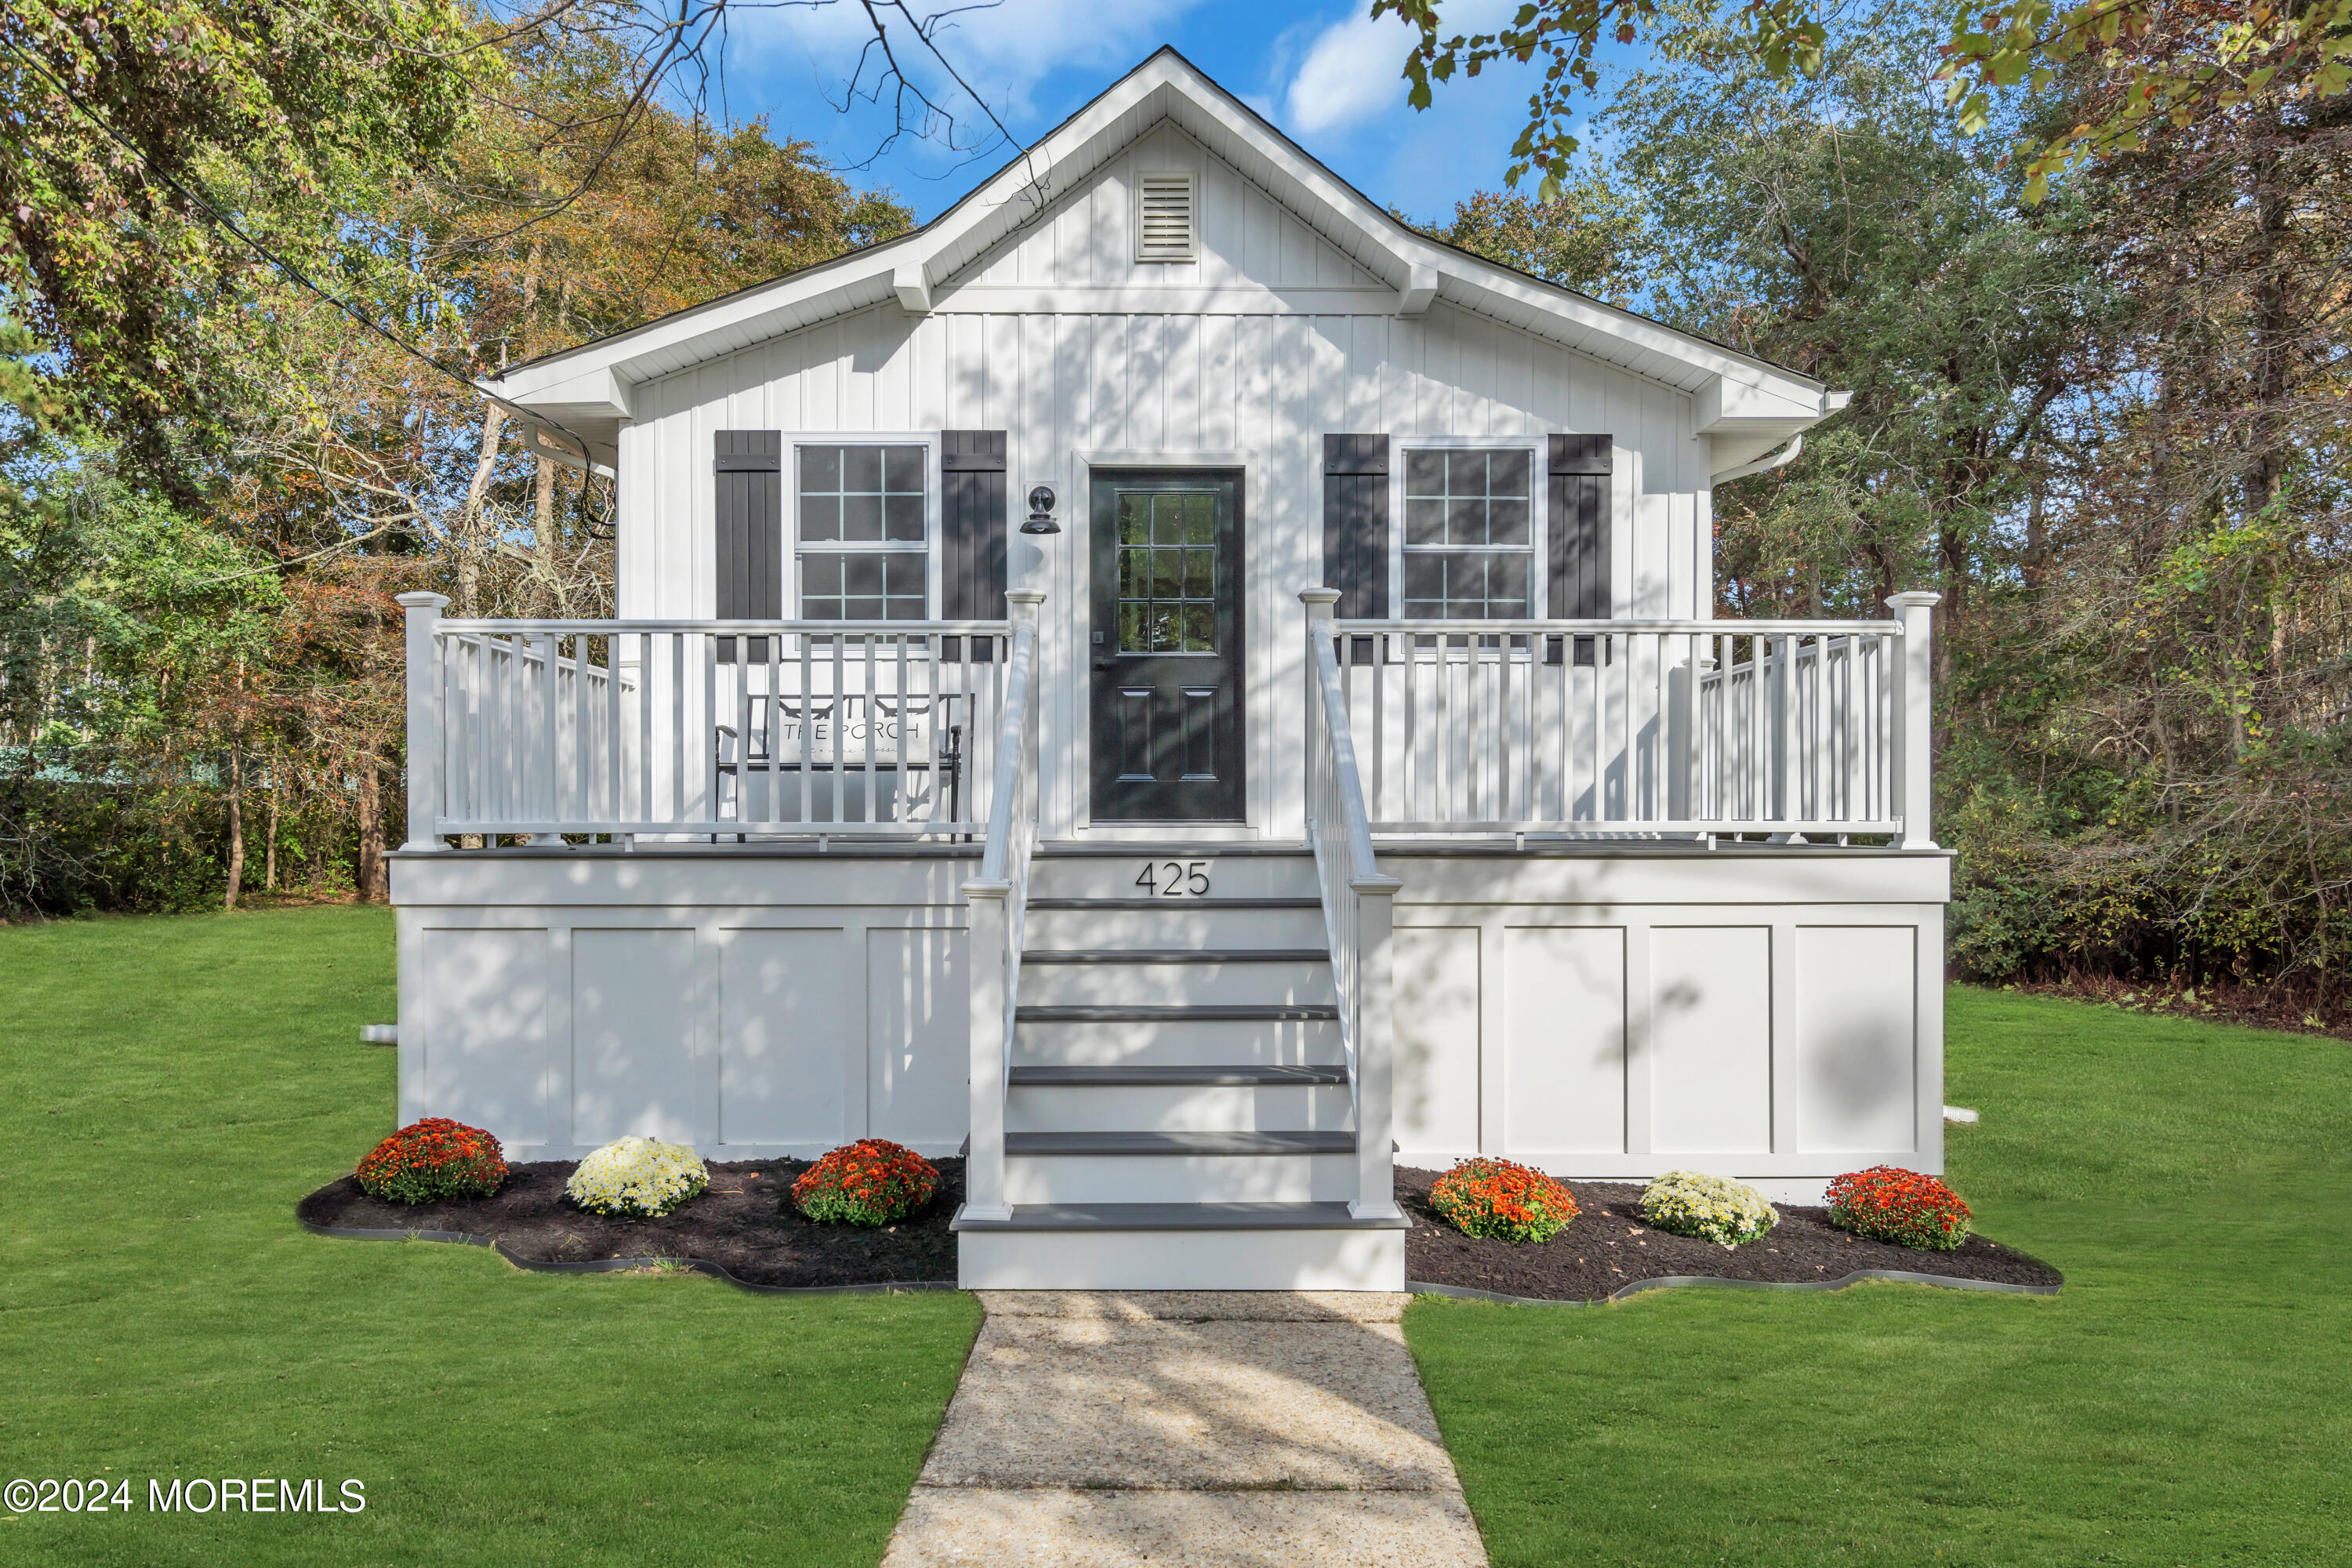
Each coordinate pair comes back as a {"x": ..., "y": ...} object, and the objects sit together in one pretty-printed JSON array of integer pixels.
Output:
[{"x": 1736, "y": 398}]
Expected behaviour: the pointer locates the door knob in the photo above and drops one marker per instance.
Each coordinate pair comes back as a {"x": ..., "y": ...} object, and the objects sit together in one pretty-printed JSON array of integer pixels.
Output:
[{"x": 1105, "y": 662}]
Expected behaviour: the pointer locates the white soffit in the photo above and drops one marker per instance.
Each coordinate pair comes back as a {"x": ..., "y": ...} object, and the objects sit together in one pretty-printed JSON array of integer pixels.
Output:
[{"x": 1733, "y": 393}]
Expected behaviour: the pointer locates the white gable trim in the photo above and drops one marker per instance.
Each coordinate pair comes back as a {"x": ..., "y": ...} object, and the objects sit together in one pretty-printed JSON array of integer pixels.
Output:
[{"x": 1743, "y": 401}]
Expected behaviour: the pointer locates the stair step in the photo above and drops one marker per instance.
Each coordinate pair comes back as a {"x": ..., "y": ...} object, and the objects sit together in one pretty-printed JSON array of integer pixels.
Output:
[
  {"x": 1333, "y": 1215},
  {"x": 1202, "y": 1013},
  {"x": 1177, "y": 955},
  {"x": 1178, "y": 1143},
  {"x": 1180, "y": 904},
  {"x": 1126, "y": 1077}
]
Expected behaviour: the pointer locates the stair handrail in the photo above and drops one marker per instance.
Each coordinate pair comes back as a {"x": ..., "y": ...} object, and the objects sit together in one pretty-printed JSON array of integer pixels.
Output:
[
  {"x": 997, "y": 902},
  {"x": 1359, "y": 912}
]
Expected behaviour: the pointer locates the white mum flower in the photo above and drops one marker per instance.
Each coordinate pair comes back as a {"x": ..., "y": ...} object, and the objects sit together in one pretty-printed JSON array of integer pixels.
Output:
[
  {"x": 638, "y": 1176},
  {"x": 1711, "y": 1208}
]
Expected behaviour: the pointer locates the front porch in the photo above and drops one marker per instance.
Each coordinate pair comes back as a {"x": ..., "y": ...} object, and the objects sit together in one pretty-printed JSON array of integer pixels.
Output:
[{"x": 1610, "y": 898}]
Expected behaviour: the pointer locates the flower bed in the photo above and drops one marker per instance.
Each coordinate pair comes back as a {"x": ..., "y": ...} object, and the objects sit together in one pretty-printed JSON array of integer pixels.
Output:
[
  {"x": 741, "y": 1223},
  {"x": 1611, "y": 1245}
]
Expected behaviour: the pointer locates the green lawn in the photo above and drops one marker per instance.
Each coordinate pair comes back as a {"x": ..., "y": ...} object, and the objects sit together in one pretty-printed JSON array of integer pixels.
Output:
[
  {"x": 2187, "y": 1400},
  {"x": 168, "y": 1089}
]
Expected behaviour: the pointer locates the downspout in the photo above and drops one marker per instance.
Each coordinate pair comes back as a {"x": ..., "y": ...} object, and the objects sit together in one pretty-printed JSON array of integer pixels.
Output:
[{"x": 1765, "y": 465}]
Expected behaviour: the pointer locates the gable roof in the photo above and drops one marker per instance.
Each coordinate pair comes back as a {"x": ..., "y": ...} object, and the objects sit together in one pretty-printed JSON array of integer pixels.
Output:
[{"x": 586, "y": 390}]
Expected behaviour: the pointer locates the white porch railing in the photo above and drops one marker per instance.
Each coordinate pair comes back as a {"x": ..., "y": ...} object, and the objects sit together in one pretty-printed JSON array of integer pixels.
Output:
[
  {"x": 1359, "y": 907},
  {"x": 998, "y": 904},
  {"x": 766, "y": 728},
  {"x": 1650, "y": 728}
]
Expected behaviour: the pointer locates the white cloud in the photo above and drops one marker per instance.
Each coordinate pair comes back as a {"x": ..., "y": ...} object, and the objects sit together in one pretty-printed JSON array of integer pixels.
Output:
[
  {"x": 1350, "y": 73},
  {"x": 1354, "y": 70}
]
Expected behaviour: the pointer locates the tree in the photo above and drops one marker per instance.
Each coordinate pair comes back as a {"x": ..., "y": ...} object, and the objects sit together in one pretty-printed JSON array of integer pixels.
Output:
[
  {"x": 134, "y": 132},
  {"x": 2151, "y": 63}
]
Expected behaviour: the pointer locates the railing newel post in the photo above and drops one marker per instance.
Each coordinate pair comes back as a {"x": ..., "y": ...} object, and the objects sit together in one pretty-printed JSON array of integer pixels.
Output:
[
  {"x": 423, "y": 612},
  {"x": 1913, "y": 731}
]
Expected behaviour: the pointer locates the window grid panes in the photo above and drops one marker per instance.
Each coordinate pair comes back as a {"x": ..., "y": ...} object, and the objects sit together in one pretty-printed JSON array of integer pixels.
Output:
[
  {"x": 861, "y": 526},
  {"x": 862, "y": 585},
  {"x": 1168, "y": 572},
  {"x": 1469, "y": 544}
]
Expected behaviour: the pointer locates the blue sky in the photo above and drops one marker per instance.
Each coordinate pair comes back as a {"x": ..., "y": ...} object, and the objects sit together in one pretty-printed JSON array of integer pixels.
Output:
[{"x": 1326, "y": 74}]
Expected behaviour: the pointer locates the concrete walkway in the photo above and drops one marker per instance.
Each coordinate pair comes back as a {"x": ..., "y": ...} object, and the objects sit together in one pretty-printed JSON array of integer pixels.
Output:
[{"x": 1238, "y": 1429}]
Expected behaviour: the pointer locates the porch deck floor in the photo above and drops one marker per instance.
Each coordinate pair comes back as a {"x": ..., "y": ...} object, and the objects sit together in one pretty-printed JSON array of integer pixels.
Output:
[{"x": 1232, "y": 1428}]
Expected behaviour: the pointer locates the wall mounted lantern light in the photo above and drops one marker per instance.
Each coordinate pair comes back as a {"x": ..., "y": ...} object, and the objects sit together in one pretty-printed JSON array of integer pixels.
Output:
[{"x": 1041, "y": 512}]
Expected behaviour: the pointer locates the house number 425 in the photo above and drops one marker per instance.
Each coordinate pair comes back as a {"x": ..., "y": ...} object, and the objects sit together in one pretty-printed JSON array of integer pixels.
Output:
[{"x": 1174, "y": 878}]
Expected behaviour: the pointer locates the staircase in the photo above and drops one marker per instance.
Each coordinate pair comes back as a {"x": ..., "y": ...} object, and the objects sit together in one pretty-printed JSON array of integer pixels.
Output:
[{"x": 1178, "y": 1111}]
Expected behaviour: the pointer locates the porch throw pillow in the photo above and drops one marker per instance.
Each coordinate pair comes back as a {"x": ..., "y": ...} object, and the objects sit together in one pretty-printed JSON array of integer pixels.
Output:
[
  {"x": 1887, "y": 1203},
  {"x": 872, "y": 1182},
  {"x": 1502, "y": 1201},
  {"x": 642, "y": 1176},
  {"x": 1710, "y": 1208},
  {"x": 431, "y": 1160}
]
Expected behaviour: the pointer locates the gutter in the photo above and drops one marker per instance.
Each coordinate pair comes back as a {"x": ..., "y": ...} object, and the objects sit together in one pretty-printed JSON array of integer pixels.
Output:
[{"x": 1765, "y": 465}]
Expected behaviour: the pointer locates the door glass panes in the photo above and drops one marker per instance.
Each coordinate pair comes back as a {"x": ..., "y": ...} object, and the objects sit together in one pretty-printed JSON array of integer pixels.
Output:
[
  {"x": 861, "y": 527},
  {"x": 1469, "y": 543},
  {"x": 1168, "y": 572}
]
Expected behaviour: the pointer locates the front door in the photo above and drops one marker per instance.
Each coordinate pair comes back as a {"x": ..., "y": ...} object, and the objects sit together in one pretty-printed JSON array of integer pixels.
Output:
[{"x": 1166, "y": 642}]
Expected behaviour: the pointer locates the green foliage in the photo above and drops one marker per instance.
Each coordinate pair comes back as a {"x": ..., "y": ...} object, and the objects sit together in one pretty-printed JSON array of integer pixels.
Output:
[
  {"x": 134, "y": 125},
  {"x": 1584, "y": 240},
  {"x": 2114, "y": 73}
]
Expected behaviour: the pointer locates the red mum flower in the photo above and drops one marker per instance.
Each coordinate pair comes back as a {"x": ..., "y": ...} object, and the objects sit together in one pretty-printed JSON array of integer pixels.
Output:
[
  {"x": 436, "y": 1158},
  {"x": 1904, "y": 1207},
  {"x": 872, "y": 1182},
  {"x": 1503, "y": 1200}
]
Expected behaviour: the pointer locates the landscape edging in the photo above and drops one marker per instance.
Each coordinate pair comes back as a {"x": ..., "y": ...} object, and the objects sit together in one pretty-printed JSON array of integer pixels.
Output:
[
  {"x": 614, "y": 1265},
  {"x": 1669, "y": 1282}
]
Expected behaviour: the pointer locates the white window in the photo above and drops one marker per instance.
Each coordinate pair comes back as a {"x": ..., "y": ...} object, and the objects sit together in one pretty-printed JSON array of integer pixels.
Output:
[
  {"x": 862, "y": 531},
  {"x": 1471, "y": 536},
  {"x": 1166, "y": 225}
]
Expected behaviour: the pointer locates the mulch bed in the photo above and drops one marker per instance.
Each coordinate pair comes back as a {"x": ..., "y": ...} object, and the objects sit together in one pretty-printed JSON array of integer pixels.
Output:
[
  {"x": 1610, "y": 1246},
  {"x": 743, "y": 1223}
]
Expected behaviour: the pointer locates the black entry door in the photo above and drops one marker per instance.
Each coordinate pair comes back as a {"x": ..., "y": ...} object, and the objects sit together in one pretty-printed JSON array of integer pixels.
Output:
[{"x": 1167, "y": 646}]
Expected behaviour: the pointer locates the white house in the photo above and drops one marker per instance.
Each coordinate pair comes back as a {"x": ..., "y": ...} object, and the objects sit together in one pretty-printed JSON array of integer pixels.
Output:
[{"x": 1182, "y": 688}]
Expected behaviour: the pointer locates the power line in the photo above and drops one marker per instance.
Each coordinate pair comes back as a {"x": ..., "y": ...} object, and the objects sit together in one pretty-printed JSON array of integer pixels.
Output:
[{"x": 207, "y": 209}]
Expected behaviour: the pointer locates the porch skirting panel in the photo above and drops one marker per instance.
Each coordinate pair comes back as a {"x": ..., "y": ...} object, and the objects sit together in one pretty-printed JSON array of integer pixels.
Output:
[
  {"x": 753, "y": 1003},
  {"x": 1757, "y": 1013}
]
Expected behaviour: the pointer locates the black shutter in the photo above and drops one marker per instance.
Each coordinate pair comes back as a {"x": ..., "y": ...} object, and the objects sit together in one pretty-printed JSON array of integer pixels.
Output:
[
  {"x": 1577, "y": 520},
  {"x": 748, "y": 548},
  {"x": 1355, "y": 525},
  {"x": 973, "y": 514}
]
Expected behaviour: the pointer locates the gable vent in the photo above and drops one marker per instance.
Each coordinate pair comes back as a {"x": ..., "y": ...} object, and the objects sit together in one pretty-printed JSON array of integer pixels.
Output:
[{"x": 1166, "y": 227}]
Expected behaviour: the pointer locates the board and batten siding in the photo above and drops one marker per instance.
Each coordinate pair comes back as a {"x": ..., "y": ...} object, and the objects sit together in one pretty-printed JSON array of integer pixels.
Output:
[
  {"x": 1616, "y": 1019},
  {"x": 1271, "y": 340},
  {"x": 749, "y": 1008}
]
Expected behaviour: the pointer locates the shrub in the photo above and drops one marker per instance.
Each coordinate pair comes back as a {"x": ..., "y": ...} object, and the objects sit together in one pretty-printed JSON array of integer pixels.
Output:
[
  {"x": 1889, "y": 1204},
  {"x": 870, "y": 1182},
  {"x": 638, "y": 1176},
  {"x": 1502, "y": 1201},
  {"x": 436, "y": 1158},
  {"x": 1711, "y": 1208}
]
